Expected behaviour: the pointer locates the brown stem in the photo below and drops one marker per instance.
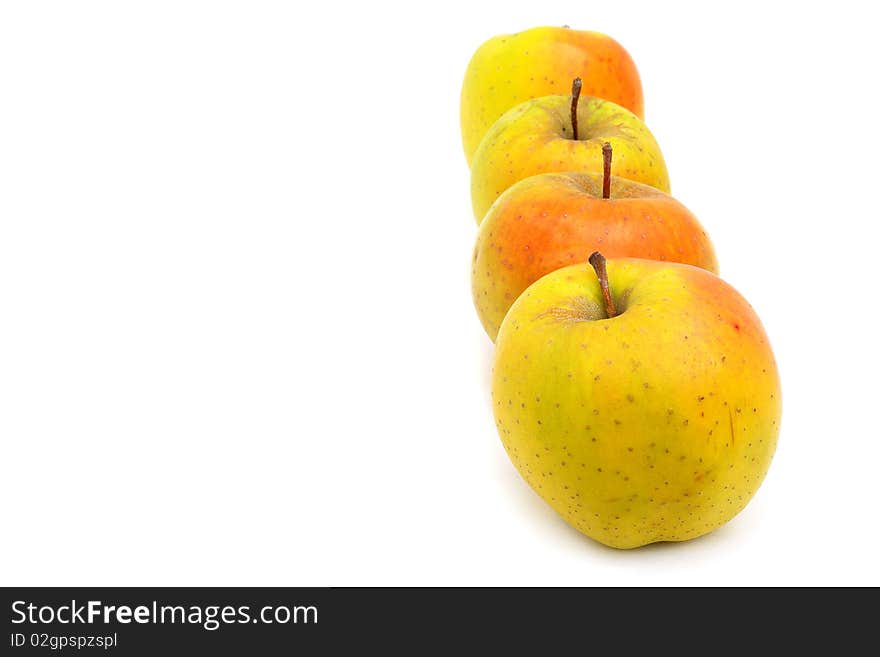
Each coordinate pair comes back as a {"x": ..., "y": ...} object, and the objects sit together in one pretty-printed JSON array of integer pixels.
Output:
[
  {"x": 575, "y": 95},
  {"x": 606, "y": 170},
  {"x": 598, "y": 262}
]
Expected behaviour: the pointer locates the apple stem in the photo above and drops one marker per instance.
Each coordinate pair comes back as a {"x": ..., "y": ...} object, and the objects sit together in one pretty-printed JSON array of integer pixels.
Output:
[
  {"x": 606, "y": 170},
  {"x": 575, "y": 95},
  {"x": 597, "y": 260}
]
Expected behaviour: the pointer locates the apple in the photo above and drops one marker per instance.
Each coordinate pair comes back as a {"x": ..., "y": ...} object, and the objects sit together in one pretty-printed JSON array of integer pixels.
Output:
[
  {"x": 511, "y": 68},
  {"x": 551, "y": 220},
  {"x": 643, "y": 406},
  {"x": 563, "y": 133}
]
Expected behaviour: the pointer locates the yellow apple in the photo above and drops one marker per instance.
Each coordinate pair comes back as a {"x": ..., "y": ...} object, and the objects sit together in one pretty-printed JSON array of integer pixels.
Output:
[
  {"x": 555, "y": 134},
  {"x": 648, "y": 416}
]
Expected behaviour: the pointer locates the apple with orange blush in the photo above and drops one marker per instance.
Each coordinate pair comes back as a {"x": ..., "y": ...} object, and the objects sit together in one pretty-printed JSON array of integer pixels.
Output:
[
  {"x": 549, "y": 221},
  {"x": 511, "y": 68},
  {"x": 640, "y": 400}
]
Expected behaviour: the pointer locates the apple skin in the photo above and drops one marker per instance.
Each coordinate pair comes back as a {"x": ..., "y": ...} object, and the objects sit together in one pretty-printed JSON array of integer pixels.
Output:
[
  {"x": 536, "y": 137},
  {"x": 656, "y": 425},
  {"x": 552, "y": 220},
  {"x": 511, "y": 68}
]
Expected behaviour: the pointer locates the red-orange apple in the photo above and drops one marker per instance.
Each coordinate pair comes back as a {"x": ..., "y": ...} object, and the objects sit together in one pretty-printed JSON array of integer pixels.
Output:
[{"x": 552, "y": 220}]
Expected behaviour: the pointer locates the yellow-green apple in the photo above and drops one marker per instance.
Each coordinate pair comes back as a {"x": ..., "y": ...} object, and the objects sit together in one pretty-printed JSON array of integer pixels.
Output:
[
  {"x": 646, "y": 414},
  {"x": 511, "y": 68},
  {"x": 551, "y": 220},
  {"x": 563, "y": 133}
]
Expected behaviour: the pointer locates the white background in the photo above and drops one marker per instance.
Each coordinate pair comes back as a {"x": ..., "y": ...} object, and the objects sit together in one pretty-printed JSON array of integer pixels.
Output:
[{"x": 237, "y": 344}]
